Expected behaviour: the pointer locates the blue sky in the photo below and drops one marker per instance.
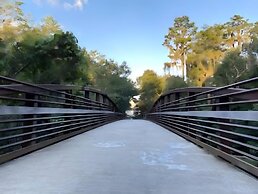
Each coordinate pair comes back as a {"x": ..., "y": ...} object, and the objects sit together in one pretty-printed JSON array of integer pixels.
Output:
[{"x": 133, "y": 30}]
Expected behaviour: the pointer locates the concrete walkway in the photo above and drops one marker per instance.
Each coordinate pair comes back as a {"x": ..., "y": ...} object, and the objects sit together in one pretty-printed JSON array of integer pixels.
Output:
[{"x": 125, "y": 157}]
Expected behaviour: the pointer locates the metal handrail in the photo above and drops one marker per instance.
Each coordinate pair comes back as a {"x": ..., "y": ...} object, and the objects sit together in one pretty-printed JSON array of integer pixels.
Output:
[
  {"x": 170, "y": 105},
  {"x": 233, "y": 137},
  {"x": 214, "y": 90},
  {"x": 69, "y": 96},
  {"x": 34, "y": 116}
]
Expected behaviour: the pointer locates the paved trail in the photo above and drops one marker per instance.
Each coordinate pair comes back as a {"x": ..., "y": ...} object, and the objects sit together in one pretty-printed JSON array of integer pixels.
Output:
[{"x": 125, "y": 157}]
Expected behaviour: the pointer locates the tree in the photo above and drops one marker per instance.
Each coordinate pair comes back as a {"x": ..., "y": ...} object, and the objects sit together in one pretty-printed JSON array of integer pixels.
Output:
[
  {"x": 209, "y": 38},
  {"x": 174, "y": 82},
  {"x": 206, "y": 54},
  {"x": 254, "y": 30},
  {"x": 44, "y": 53},
  {"x": 120, "y": 90},
  {"x": 237, "y": 66},
  {"x": 252, "y": 57},
  {"x": 150, "y": 87},
  {"x": 3, "y": 56},
  {"x": 233, "y": 68},
  {"x": 230, "y": 47},
  {"x": 179, "y": 39},
  {"x": 112, "y": 79},
  {"x": 12, "y": 20},
  {"x": 10, "y": 11},
  {"x": 56, "y": 59},
  {"x": 12, "y": 26},
  {"x": 50, "y": 26},
  {"x": 237, "y": 32}
]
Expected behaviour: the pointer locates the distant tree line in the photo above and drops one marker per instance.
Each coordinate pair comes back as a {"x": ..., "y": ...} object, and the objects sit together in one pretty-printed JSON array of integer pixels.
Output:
[
  {"x": 224, "y": 52},
  {"x": 213, "y": 56},
  {"x": 44, "y": 53},
  {"x": 151, "y": 86}
]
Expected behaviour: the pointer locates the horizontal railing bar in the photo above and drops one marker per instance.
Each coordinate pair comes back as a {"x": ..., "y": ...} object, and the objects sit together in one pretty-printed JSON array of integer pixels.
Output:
[
  {"x": 217, "y": 123},
  {"x": 40, "y": 87},
  {"x": 46, "y": 115},
  {"x": 214, "y": 104},
  {"x": 234, "y": 115},
  {"x": 48, "y": 129},
  {"x": 211, "y": 134},
  {"x": 212, "y": 97},
  {"x": 50, "y": 90},
  {"x": 251, "y": 168},
  {"x": 45, "y": 124},
  {"x": 21, "y": 110},
  {"x": 217, "y": 89},
  {"x": 42, "y": 118},
  {"x": 219, "y": 144},
  {"x": 40, "y": 137},
  {"x": 215, "y": 129},
  {"x": 7, "y": 156},
  {"x": 32, "y": 85},
  {"x": 89, "y": 102},
  {"x": 59, "y": 87},
  {"x": 43, "y": 101},
  {"x": 210, "y": 118},
  {"x": 85, "y": 100}
]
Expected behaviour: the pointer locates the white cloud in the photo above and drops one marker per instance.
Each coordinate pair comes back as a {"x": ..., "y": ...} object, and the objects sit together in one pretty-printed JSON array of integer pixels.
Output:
[
  {"x": 72, "y": 4},
  {"x": 77, "y": 4},
  {"x": 38, "y": 2},
  {"x": 49, "y": 2},
  {"x": 53, "y": 2}
]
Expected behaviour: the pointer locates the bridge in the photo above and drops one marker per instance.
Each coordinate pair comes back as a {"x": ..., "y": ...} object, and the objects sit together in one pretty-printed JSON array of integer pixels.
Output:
[{"x": 67, "y": 139}]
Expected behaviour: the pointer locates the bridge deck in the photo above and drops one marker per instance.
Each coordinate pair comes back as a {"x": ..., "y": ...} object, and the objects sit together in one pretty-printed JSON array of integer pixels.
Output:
[{"x": 125, "y": 157}]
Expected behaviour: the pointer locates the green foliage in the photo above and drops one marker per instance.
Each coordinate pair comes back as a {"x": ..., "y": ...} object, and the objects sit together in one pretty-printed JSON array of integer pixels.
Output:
[
  {"x": 237, "y": 31},
  {"x": 210, "y": 38},
  {"x": 254, "y": 30},
  {"x": 233, "y": 68},
  {"x": 44, "y": 53},
  {"x": 112, "y": 79},
  {"x": 174, "y": 82},
  {"x": 179, "y": 40},
  {"x": 39, "y": 54},
  {"x": 203, "y": 52},
  {"x": 150, "y": 89},
  {"x": 50, "y": 26},
  {"x": 10, "y": 11},
  {"x": 121, "y": 90},
  {"x": 237, "y": 66},
  {"x": 53, "y": 59},
  {"x": 252, "y": 48}
]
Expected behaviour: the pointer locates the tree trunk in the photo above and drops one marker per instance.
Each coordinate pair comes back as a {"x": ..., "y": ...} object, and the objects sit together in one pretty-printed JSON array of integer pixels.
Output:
[{"x": 184, "y": 66}]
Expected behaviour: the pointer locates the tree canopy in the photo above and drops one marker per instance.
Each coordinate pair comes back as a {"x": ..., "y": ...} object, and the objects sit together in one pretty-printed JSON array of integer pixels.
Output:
[
  {"x": 45, "y": 53},
  {"x": 150, "y": 87},
  {"x": 209, "y": 48},
  {"x": 179, "y": 40}
]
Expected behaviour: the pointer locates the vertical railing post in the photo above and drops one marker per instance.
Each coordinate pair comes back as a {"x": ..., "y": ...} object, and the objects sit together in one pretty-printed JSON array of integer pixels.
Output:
[
  {"x": 68, "y": 99},
  {"x": 30, "y": 122},
  {"x": 191, "y": 99},
  {"x": 223, "y": 108},
  {"x": 101, "y": 101},
  {"x": 97, "y": 98},
  {"x": 86, "y": 94},
  {"x": 177, "y": 96},
  {"x": 105, "y": 102}
]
